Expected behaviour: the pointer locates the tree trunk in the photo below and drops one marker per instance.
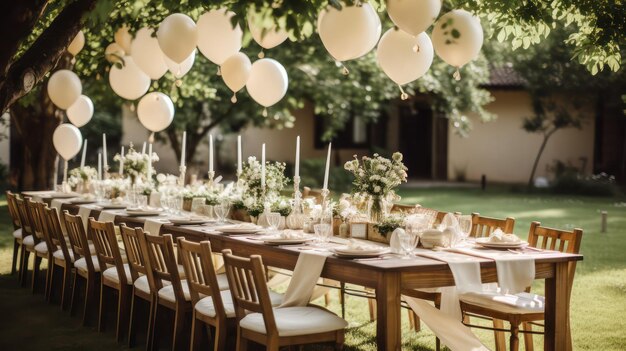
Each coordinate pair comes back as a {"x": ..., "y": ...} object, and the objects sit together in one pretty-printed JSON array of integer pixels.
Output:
[
  {"x": 42, "y": 56},
  {"x": 543, "y": 146}
]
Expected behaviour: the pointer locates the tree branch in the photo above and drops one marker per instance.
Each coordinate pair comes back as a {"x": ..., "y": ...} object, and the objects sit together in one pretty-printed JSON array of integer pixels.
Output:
[{"x": 43, "y": 55}]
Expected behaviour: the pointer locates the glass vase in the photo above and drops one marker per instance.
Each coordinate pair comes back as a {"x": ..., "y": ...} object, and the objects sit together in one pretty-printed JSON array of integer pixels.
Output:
[{"x": 376, "y": 209}]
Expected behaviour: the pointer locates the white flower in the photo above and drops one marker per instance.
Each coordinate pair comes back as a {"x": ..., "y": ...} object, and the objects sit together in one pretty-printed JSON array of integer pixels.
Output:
[
  {"x": 377, "y": 189},
  {"x": 161, "y": 178}
]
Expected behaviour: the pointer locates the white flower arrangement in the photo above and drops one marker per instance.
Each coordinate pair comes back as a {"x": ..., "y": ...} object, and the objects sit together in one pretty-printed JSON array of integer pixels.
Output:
[
  {"x": 253, "y": 195},
  {"x": 377, "y": 176},
  {"x": 81, "y": 175},
  {"x": 136, "y": 163}
]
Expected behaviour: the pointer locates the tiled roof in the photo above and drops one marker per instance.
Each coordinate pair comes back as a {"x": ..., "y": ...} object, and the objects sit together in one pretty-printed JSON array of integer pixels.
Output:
[{"x": 505, "y": 77}]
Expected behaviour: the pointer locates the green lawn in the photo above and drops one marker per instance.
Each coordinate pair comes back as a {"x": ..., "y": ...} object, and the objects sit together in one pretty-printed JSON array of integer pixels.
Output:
[{"x": 598, "y": 301}]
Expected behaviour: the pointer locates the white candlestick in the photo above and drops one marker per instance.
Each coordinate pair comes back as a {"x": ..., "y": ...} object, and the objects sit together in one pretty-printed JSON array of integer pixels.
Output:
[
  {"x": 121, "y": 171},
  {"x": 183, "y": 150},
  {"x": 150, "y": 162},
  {"x": 210, "y": 152},
  {"x": 82, "y": 159},
  {"x": 239, "y": 166},
  {"x": 143, "y": 148},
  {"x": 327, "y": 168},
  {"x": 104, "y": 151},
  {"x": 297, "y": 172},
  {"x": 99, "y": 166},
  {"x": 263, "y": 167}
]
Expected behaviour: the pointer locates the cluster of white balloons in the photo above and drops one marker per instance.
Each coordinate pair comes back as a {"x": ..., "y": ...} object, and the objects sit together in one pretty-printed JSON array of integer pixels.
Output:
[{"x": 405, "y": 53}]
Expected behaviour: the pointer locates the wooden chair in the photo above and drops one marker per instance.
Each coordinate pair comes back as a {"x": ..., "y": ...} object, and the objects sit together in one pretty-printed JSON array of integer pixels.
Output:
[
  {"x": 141, "y": 288},
  {"x": 481, "y": 226},
  {"x": 206, "y": 296},
  {"x": 62, "y": 257},
  {"x": 543, "y": 238},
  {"x": 161, "y": 265},
  {"x": 87, "y": 267},
  {"x": 258, "y": 321},
  {"x": 17, "y": 230},
  {"x": 28, "y": 238},
  {"x": 40, "y": 224},
  {"x": 115, "y": 274}
]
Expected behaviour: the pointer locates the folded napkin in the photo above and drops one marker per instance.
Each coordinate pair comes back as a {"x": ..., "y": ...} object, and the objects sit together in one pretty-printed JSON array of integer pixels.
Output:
[
  {"x": 153, "y": 226},
  {"x": 107, "y": 216},
  {"x": 355, "y": 245},
  {"x": 240, "y": 226},
  {"x": 154, "y": 200},
  {"x": 394, "y": 241},
  {"x": 304, "y": 278},
  {"x": 498, "y": 236}
]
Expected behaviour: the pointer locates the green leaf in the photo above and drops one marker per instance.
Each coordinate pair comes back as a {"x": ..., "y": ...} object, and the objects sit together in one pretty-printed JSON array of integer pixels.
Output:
[{"x": 502, "y": 35}]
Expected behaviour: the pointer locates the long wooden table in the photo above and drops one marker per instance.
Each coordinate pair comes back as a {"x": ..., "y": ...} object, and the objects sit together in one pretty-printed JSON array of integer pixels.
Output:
[{"x": 389, "y": 277}]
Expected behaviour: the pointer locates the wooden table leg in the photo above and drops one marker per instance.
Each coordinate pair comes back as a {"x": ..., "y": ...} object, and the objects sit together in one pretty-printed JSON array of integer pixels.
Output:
[
  {"x": 556, "y": 311},
  {"x": 388, "y": 326}
]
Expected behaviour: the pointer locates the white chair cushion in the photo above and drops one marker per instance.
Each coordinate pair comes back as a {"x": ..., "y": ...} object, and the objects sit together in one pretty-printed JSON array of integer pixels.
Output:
[
  {"x": 28, "y": 241},
  {"x": 17, "y": 233},
  {"x": 82, "y": 264},
  {"x": 291, "y": 321},
  {"x": 142, "y": 284},
  {"x": 42, "y": 247},
  {"x": 521, "y": 303},
  {"x": 206, "y": 307},
  {"x": 59, "y": 254},
  {"x": 167, "y": 292},
  {"x": 111, "y": 274}
]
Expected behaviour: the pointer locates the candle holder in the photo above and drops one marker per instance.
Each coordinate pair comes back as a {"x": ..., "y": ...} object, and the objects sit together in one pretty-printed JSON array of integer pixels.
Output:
[
  {"x": 296, "y": 218},
  {"x": 325, "y": 192},
  {"x": 106, "y": 172},
  {"x": 211, "y": 179},
  {"x": 181, "y": 177}
]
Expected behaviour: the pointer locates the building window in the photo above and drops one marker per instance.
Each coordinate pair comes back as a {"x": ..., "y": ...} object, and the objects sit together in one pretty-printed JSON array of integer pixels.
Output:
[{"x": 356, "y": 134}]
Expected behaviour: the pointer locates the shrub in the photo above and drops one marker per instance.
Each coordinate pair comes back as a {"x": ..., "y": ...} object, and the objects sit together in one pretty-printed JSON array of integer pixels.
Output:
[{"x": 312, "y": 175}]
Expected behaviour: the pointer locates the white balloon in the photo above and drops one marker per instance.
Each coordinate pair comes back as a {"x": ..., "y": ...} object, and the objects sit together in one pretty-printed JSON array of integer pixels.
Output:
[
  {"x": 177, "y": 36},
  {"x": 349, "y": 33},
  {"x": 81, "y": 111},
  {"x": 180, "y": 69},
  {"x": 129, "y": 82},
  {"x": 67, "y": 140},
  {"x": 236, "y": 71},
  {"x": 399, "y": 59},
  {"x": 147, "y": 54},
  {"x": 457, "y": 37},
  {"x": 77, "y": 43},
  {"x": 413, "y": 16},
  {"x": 268, "y": 82},
  {"x": 64, "y": 87},
  {"x": 114, "y": 53},
  {"x": 123, "y": 38},
  {"x": 265, "y": 32},
  {"x": 217, "y": 39},
  {"x": 155, "y": 111}
]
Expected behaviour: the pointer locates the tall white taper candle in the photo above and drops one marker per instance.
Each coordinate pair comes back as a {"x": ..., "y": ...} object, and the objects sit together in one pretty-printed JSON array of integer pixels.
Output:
[
  {"x": 183, "y": 150},
  {"x": 150, "y": 162},
  {"x": 104, "y": 151},
  {"x": 263, "y": 167},
  {"x": 99, "y": 166},
  {"x": 239, "y": 166},
  {"x": 327, "y": 167},
  {"x": 297, "y": 172},
  {"x": 82, "y": 159},
  {"x": 143, "y": 148},
  {"x": 121, "y": 170},
  {"x": 210, "y": 152}
]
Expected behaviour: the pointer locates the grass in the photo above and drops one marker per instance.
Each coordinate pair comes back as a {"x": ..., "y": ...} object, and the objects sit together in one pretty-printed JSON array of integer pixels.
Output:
[{"x": 598, "y": 301}]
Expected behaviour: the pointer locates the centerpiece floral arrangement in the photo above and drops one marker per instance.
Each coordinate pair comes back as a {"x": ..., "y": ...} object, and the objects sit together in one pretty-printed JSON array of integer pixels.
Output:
[
  {"x": 377, "y": 177},
  {"x": 81, "y": 176},
  {"x": 135, "y": 164},
  {"x": 254, "y": 196}
]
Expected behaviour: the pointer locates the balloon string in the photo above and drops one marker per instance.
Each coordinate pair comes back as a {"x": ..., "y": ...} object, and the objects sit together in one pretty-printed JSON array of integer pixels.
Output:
[
  {"x": 345, "y": 71},
  {"x": 261, "y": 54},
  {"x": 151, "y": 138},
  {"x": 132, "y": 107},
  {"x": 219, "y": 71},
  {"x": 457, "y": 74},
  {"x": 403, "y": 95},
  {"x": 264, "y": 112},
  {"x": 234, "y": 98},
  {"x": 178, "y": 83}
]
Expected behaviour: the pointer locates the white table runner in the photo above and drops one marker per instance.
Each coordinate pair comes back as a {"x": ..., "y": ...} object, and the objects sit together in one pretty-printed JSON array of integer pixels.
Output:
[
  {"x": 153, "y": 225},
  {"x": 107, "y": 216},
  {"x": 84, "y": 211},
  {"x": 304, "y": 278}
]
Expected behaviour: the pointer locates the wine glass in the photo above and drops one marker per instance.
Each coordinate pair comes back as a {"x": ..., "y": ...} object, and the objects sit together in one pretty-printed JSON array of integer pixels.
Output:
[
  {"x": 222, "y": 209},
  {"x": 98, "y": 189},
  {"x": 273, "y": 220},
  {"x": 408, "y": 242},
  {"x": 166, "y": 202},
  {"x": 321, "y": 232}
]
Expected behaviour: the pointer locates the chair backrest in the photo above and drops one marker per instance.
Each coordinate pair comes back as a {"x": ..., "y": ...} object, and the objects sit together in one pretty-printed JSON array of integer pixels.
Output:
[
  {"x": 107, "y": 250},
  {"x": 25, "y": 220},
  {"x": 56, "y": 234},
  {"x": 13, "y": 211},
  {"x": 484, "y": 226},
  {"x": 161, "y": 262},
  {"x": 567, "y": 241},
  {"x": 37, "y": 225},
  {"x": 248, "y": 287},
  {"x": 41, "y": 208},
  {"x": 78, "y": 239},
  {"x": 200, "y": 273},
  {"x": 134, "y": 254}
]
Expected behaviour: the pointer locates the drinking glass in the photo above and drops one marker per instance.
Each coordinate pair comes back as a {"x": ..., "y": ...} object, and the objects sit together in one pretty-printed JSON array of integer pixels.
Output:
[
  {"x": 197, "y": 205},
  {"x": 166, "y": 202},
  {"x": 177, "y": 204},
  {"x": 408, "y": 242},
  {"x": 142, "y": 201},
  {"x": 322, "y": 231},
  {"x": 98, "y": 189},
  {"x": 222, "y": 209},
  {"x": 273, "y": 220}
]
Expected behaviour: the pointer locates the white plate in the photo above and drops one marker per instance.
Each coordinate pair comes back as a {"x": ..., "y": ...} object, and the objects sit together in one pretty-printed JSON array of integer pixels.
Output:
[
  {"x": 234, "y": 229},
  {"x": 110, "y": 206},
  {"x": 279, "y": 241},
  {"x": 135, "y": 213},
  {"x": 485, "y": 242},
  {"x": 82, "y": 202},
  {"x": 188, "y": 221},
  {"x": 359, "y": 253}
]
